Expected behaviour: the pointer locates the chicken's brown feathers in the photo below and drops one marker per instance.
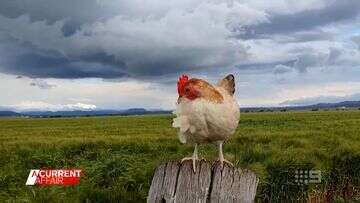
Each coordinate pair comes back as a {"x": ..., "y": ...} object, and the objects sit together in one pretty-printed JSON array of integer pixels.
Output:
[{"x": 207, "y": 91}]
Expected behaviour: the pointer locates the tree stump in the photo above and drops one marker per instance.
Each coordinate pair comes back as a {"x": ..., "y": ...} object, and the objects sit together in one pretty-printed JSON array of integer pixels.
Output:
[{"x": 176, "y": 182}]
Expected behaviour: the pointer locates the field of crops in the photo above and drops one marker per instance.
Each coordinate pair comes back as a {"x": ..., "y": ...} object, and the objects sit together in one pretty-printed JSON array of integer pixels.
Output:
[{"x": 118, "y": 155}]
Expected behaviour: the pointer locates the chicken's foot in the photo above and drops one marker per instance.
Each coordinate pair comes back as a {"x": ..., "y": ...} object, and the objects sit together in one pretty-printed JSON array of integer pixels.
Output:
[
  {"x": 221, "y": 156},
  {"x": 194, "y": 157}
]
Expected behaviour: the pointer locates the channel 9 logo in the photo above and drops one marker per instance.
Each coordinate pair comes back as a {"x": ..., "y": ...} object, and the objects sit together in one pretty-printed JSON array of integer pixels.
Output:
[{"x": 307, "y": 176}]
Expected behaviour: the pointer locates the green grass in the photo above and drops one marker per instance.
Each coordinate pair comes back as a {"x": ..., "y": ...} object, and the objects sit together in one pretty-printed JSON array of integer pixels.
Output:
[{"x": 118, "y": 155}]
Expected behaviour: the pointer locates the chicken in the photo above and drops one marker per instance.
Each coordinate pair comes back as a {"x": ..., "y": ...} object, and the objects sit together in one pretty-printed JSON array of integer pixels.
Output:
[{"x": 206, "y": 113}]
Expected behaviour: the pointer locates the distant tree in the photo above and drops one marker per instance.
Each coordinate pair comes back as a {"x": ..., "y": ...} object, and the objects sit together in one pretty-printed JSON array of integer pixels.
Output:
[
  {"x": 283, "y": 110},
  {"x": 315, "y": 109}
]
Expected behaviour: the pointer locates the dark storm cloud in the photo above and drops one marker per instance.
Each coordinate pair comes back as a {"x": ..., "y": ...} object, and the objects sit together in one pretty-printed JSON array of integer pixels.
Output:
[
  {"x": 337, "y": 11},
  {"x": 356, "y": 40},
  {"x": 300, "y": 63},
  {"x": 120, "y": 46},
  {"x": 42, "y": 84},
  {"x": 334, "y": 55},
  {"x": 75, "y": 13},
  {"x": 36, "y": 65},
  {"x": 114, "y": 39},
  {"x": 312, "y": 36},
  {"x": 306, "y": 36},
  {"x": 303, "y": 59},
  {"x": 266, "y": 66}
]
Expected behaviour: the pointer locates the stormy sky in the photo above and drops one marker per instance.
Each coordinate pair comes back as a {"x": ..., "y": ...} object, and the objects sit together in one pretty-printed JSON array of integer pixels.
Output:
[{"x": 105, "y": 54}]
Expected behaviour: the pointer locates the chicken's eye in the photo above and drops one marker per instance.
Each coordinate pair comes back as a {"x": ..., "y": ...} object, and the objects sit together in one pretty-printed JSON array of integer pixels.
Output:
[{"x": 187, "y": 90}]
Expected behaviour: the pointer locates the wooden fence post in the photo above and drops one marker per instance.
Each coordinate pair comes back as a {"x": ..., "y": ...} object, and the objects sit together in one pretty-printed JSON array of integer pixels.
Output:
[{"x": 176, "y": 182}]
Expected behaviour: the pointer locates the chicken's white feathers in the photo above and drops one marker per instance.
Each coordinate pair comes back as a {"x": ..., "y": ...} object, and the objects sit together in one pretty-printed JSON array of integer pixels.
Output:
[{"x": 203, "y": 121}]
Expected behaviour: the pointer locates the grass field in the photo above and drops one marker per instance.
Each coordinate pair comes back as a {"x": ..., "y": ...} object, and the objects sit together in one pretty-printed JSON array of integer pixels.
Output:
[{"x": 118, "y": 155}]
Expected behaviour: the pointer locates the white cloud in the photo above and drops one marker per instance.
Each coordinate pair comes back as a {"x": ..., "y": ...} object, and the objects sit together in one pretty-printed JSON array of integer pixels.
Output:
[
  {"x": 329, "y": 90},
  {"x": 281, "y": 69},
  {"x": 43, "y": 106},
  {"x": 85, "y": 94}
]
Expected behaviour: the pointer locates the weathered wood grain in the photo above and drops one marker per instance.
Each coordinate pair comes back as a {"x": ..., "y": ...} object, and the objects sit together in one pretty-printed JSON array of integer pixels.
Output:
[{"x": 176, "y": 182}]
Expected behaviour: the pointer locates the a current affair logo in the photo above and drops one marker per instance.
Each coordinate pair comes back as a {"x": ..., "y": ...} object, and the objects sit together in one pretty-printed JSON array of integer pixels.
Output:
[{"x": 43, "y": 177}]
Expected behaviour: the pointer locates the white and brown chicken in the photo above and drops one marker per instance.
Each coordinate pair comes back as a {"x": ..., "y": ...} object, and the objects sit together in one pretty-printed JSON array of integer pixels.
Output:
[{"x": 206, "y": 113}]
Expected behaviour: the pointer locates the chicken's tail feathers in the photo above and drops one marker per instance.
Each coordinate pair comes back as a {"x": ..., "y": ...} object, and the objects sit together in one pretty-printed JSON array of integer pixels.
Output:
[{"x": 228, "y": 83}]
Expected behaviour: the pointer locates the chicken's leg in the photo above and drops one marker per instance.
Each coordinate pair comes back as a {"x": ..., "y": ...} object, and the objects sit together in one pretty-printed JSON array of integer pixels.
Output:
[
  {"x": 194, "y": 157},
  {"x": 221, "y": 156}
]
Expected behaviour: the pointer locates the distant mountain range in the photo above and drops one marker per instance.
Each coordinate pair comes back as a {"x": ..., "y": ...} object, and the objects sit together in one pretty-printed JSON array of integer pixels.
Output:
[
  {"x": 132, "y": 111},
  {"x": 142, "y": 111},
  {"x": 9, "y": 113},
  {"x": 338, "y": 105}
]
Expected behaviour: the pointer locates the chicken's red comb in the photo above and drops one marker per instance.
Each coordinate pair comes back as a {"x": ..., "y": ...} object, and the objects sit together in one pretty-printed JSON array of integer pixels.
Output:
[{"x": 181, "y": 84}]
